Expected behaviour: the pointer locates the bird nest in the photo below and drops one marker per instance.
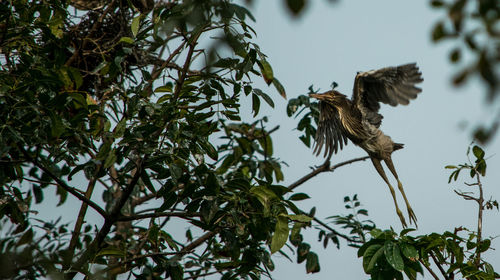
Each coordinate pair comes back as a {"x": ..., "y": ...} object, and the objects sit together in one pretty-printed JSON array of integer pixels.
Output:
[{"x": 98, "y": 51}]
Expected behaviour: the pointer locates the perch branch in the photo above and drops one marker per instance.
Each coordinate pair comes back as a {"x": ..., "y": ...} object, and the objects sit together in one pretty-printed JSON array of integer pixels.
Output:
[{"x": 325, "y": 167}]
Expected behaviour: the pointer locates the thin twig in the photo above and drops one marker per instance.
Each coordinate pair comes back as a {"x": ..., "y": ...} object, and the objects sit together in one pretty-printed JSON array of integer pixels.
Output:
[
  {"x": 191, "y": 246},
  {"x": 79, "y": 221},
  {"x": 438, "y": 264},
  {"x": 185, "y": 67},
  {"x": 156, "y": 215},
  {"x": 480, "y": 201},
  {"x": 334, "y": 231},
  {"x": 63, "y": 185},
  {"x": 429, "y": 269},
  {"x": 109, "y": 220},
  {"x": 325, "y": 167}
]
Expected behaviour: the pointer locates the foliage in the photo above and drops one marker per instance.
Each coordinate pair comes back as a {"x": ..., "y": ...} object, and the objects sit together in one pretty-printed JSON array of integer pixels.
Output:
[
  {"x": 138, "y": 103},
  {"x": 302, "y": 104},
  {"x": 357, "y": 228},
  {"x": 388, "y": 255},
  {"x": 473, "y": 25}
]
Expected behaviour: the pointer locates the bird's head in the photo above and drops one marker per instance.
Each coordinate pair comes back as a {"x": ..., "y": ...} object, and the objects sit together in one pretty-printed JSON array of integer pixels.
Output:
[{"x": 331, "y": 96}]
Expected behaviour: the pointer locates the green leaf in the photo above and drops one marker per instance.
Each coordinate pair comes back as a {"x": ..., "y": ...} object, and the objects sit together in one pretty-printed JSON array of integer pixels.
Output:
[
  {"x": 299, "y": 196},
  {"x": 405, "y": 231},
  {"x": 264, "y": 195},
  {"x": 484, "y": 245},
  {"x": 302, "y": 252},
  {"x": 312, "y": 263},
  {"x": 119, "y": 129},
  {"x": 267, "y": 145},
  {"x": 409, "y": 251},
  {"x": 255, "y": 104},
  {"x": 279, "y": 87},
  {"x": 280, "y": 234},
  {"x": 111, "y": 251},
  {"x": 300, "y": 218},
  {"x": 27, "y": 237},
  {"x": 165, "y": 88},
  {"x": 63, "y": 194},
  {"x": 57, "y": 126},
  {"x": 110, "y": 159},
  {"x": 127, "y": 40},
  {"x": 451, "y": 167},
  {"x": 393, "y": 255},
  {"x": 266, "y": 97},
  {"x": 135, "y": 25},
  {"x": 38, "y": 193},
  {"x": 209, "y": 149},
  {"x": 266, "y": 70},
  {"x": 371, "y": 256},
  {"x": 438, "y": 33},
  {"x": 147, "y": 181},
  {"x": 478, "y": 152}
]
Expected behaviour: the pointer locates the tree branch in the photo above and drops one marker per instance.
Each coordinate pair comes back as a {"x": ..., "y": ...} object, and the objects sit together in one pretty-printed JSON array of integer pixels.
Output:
[
  {"x": 109, "y": 220},
  {"x": 156, "y": 215},
  {"x": 480, "y": 201},
  {"x": 185, "y": 67},
  {"x": 63, "y": 185},
  {"x": 79, "y": 221},
  {"x": 334, "y": 231},
  {"x": 191, "y": 246},
  {"x": 429, "y": 269},
  {"x": 324, "y": 168},
  {"x": 441, "y": 269}
]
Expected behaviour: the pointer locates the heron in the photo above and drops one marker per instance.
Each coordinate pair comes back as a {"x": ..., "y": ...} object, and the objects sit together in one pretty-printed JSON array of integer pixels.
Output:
[{"x": 358, "y": 119}]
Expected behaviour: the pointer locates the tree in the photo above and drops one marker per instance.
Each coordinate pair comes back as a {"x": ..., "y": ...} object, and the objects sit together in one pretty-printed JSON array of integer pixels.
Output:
[
  {"x": 131, "y": 110},
  {"x": 128, "y": 101}
]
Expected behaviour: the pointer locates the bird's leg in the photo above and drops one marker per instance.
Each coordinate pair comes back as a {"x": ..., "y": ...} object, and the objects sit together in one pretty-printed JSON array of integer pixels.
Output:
[
  {"x": 380, "y": 170},
  {"x": 411, "y": 214}
]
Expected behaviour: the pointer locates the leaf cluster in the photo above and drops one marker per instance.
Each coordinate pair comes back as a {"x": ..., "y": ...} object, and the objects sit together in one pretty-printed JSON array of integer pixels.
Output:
[{"x": 472, "y": 24}]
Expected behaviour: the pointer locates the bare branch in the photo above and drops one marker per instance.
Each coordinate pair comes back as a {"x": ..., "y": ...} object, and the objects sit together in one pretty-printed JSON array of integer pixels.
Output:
[
  {"x": 480, "y": 201},
  {"x": 79, "y": 221},
  {"x": 429, "y": 269},
  {"x": 438, "y": 264},
  {"x": 109, "y": 220},
  {"x": 157, "y": 215},
  {"x": 324, "y": 168},
  {"x": 191, "y": 246},
  {"x": 334, "y": 231},
  {"x": 63, "y": 185}
]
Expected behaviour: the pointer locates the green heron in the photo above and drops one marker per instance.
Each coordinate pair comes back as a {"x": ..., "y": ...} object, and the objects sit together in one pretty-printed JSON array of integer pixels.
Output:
[{"x": 359, "y": 120}]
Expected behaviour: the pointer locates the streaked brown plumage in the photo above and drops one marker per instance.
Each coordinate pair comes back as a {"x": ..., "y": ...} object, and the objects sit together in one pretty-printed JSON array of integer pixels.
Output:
[{"x": 358, "y": 119}]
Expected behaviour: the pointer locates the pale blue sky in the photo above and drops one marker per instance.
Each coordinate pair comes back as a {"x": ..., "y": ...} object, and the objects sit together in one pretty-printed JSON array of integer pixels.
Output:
[{"x": 331, "y": 42}]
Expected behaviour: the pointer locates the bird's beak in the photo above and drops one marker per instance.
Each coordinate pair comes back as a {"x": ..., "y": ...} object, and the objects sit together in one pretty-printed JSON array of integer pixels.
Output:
[{"x": 315, "y": 95}]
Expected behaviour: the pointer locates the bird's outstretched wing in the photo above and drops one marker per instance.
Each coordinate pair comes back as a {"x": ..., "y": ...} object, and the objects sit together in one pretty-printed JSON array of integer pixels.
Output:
[
  {"x": 330, "y": 131},
  {"x": 390, "y": 85}
]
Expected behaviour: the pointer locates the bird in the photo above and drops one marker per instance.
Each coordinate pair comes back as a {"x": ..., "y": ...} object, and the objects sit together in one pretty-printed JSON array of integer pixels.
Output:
[{"x": 358, "y": 119}]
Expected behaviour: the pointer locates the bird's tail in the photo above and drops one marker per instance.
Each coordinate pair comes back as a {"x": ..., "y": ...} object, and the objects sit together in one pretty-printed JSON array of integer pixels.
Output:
[{"x": 398, "y": 146}]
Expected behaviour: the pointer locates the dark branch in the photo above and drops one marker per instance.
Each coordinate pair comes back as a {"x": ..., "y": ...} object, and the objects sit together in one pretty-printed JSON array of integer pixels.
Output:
[
  {"x": 324, "y": 168},
  {"x": 63, "y": 185},
  {"x": 335, "y": 232},
  {"x": 191, "y": 246},
  {"x": 109, "y": 220},
  {"x": 438, "y": 264},
  {"x": 156, "y": 215}
]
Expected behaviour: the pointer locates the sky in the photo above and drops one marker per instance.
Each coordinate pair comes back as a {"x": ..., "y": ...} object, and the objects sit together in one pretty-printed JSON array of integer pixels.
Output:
[{"x": 331, "y": 42}]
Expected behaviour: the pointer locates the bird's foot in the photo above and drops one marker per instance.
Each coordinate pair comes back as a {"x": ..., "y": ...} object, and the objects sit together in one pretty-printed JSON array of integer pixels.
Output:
[
  {"x": 412, "y": 216},
  {"x": 402, "y": 218}
]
